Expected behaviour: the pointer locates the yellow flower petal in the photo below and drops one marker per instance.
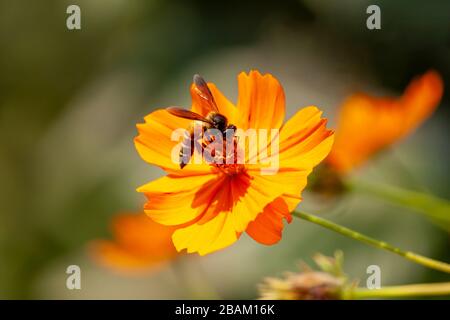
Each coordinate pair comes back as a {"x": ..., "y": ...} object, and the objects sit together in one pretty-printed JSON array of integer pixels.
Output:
[
  {"x": 205, "y": 238},
  {"x": 261, "y": 101},
  {"x": 175, "y": 200},
  {"x": 154, "y": 143}
]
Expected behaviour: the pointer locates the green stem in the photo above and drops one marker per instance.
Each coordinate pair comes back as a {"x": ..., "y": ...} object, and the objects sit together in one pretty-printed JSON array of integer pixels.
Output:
[
  {"x": 411, "y": 290},
  {"x": 430, "y": 263},
  {"x": 433, "y": 207}
]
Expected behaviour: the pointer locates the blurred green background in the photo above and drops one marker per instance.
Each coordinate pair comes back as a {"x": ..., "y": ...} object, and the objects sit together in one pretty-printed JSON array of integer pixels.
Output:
[{"x": 69, "y": 102}]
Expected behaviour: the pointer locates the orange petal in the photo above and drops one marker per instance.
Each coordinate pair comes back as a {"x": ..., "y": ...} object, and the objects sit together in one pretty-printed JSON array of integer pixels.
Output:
[
  {"x": 250, "y": 193},
  {"x": 235, "y": 203},
  {"x": 268, "y": 226},
  {"x": 261, "y": 102},
  {"x": 367, "y": 124},
  {"x": 420, "y": 99},
  {"x": 233, "y": 206},
  {"x": 139, "y": 244},
  {"x": 155, "y": 146},
  {"x": 205, "y": 238},
  {"x": 175, "y": 200},
  {"x": 239, "y": 200},
  {"x": 304, "y": 140}
]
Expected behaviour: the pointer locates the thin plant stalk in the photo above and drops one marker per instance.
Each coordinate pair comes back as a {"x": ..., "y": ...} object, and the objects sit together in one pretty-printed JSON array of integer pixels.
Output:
[
  {"x": 411, "y": 290},
  {"x": 414, "y": 257},
  {"x": 433, "y": 207}
]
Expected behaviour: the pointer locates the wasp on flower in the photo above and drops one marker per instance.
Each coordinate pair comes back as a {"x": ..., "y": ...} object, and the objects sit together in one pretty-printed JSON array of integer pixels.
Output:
[
  {"x": 214, "y": 127},
  {"x": 216, "y": 201},
  {"x": 219, "y": 143}
]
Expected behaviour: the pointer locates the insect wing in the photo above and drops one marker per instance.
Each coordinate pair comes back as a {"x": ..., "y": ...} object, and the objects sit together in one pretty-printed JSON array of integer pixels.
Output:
[
  {"x": 186, "y": 114},
  {"x": 202, "y": 90}
]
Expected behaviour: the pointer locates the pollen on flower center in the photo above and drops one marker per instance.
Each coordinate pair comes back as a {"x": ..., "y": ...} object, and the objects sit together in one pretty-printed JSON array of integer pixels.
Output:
[
  {"x": 227, "y": 159},
  {"x": 230, "y": 169}
]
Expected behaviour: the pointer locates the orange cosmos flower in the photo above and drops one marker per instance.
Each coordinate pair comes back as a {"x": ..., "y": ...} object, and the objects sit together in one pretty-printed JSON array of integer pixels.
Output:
[
  {"x": 217, "y": 204},
  {"x": 367, "y": 124},
  {"x": 139, "y": 244}
]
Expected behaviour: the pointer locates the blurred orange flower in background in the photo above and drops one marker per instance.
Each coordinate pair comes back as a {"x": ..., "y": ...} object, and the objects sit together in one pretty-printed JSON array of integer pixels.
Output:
[
  {"x": 139, "y": 244},
  {"x": 215, "y": 205},
  {"x": 368, "y": 124}
]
